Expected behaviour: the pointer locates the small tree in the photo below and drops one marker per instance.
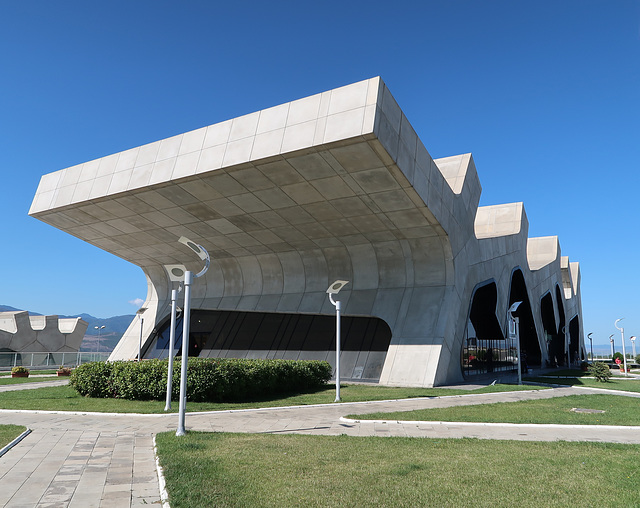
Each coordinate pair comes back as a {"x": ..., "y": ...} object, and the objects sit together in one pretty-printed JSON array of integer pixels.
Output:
[
  {"x": 600, "y": 371},
  {"x": 617, "y": 355}
]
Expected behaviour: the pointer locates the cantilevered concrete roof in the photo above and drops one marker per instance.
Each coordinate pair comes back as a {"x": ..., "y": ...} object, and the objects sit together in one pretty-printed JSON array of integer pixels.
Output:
[
  {"x": 303, "y": 175},
  {"x": 291, "y": 198}
]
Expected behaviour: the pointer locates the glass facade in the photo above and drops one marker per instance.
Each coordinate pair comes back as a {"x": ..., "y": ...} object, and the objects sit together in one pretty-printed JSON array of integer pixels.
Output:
[
  {"x": 483, "y": 356},
  {"x": 236, "y": 334}
]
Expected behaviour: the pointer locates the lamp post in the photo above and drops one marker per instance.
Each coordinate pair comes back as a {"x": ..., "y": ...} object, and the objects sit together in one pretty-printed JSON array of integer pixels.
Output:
[
  {"x": 176, "y": 274},
  {"x": 590, "y": 343},
  {"x": 612, "y": 349},
  {"x": 99, "y": 328},
  {"x": 566, "y": 347},
  {"x": 172, "y": 341},
  {"x": 514, "y": 331},
  {"x": 139, "y": 314},
  {"x": 633, "y": 346},
  {"x": 186, "y": 318},
  {"x": 334, "y": 289},
  {"x": 624, "y": 352}
]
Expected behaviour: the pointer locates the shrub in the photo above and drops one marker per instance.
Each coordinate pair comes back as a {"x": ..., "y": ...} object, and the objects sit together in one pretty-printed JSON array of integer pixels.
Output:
[
  {"x": 600, "y": 371},
  {"x": 208, "y": 379},
  {"x": 617, "y": 355},
  {"x": 638, "y": 359},
  {"x": 93, "y": 380},
  {"x": 19, "y": 369}
]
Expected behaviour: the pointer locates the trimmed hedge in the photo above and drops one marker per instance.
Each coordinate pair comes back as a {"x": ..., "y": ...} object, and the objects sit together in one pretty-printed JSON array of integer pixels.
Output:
[{"x": 208, "y": 379}]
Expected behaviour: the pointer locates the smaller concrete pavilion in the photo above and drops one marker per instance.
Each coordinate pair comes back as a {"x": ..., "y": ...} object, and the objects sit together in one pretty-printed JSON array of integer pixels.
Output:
[
  {"x": 20, "y": 333},
  {"x": 333, "y": 186}
]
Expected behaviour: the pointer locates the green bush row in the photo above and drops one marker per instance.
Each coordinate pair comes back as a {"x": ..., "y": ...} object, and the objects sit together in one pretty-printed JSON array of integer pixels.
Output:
[{"x": 208, "y": 379}]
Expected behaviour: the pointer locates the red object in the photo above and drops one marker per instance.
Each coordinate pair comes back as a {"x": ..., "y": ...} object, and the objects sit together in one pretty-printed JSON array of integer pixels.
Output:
[{"x": 618, "y": 361}]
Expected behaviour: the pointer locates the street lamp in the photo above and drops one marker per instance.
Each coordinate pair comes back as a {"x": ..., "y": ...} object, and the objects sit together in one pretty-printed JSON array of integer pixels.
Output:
[
  {"x": 172, "y": 341},
  {"x": 624, "y": 352},
  {"x": 633, "y": 346},
  {"x": 591, "y": 344},
  {"x": 186, "y": 318},
  {"x": 566, "y": 346},
  {"x": 99, "y": 328},
  {"x": 612, "y": 348},
  {"x": 514, "y": 331},
  {"x": 139, "y": 314},
  {"x": 334, "y": 289},
  {"x": 176, "y": 274}
]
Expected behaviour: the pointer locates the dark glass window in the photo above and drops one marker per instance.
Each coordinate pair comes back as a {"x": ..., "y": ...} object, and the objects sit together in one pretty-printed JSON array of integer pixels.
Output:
[{"x": 278, "y": 335}]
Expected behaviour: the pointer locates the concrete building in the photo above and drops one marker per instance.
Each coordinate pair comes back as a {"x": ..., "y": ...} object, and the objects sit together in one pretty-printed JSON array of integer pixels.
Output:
[
  {"x": 333, "y": 186},
  {"x": 21, "y": 333}
]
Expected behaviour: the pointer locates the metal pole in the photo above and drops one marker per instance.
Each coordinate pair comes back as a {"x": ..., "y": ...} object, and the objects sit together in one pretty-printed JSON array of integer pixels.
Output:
[
  {"x": 185, "y": 352},
  {"x": 140, "y": 339},
  {"x": 337, "y": 351},
  {"x": 517, "y": 324},
  {"x": 624, "y": 352},
  {"x": 172, "y": 339},
  {"x": 612, "y": 346}
]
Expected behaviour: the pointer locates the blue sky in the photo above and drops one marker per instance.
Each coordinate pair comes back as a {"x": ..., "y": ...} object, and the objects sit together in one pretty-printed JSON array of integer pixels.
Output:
[{"x": 544, "y": 94}]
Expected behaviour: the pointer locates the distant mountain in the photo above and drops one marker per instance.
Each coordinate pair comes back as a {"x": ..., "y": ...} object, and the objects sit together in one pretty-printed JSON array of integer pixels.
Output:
[
  {"x": 114, "y": 328},
  {"x": 6, "y": 308}
]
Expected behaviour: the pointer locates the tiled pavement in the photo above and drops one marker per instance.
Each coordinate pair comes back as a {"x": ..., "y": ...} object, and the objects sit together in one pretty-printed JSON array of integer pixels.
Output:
[{"x": 97, "y": 460}]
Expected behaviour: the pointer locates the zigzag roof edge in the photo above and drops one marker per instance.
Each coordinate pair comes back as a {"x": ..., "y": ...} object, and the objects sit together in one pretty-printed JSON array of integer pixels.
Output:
[
  {"x": 493, "y": 221},
  {"x": 454, "y": 169},
  {"x": 542, "y": 251}
]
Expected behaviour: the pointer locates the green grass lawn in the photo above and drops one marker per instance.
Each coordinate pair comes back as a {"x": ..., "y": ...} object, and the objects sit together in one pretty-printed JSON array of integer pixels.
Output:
[
  {"x": 224, "y": 470},
  {"x": 9, "y": 432},
  {"x": 64, "y": 398},
  {"x": 614, "y": 383},
  {"x": 619, "y": 410},
  {"x": 18, "y": 380}
]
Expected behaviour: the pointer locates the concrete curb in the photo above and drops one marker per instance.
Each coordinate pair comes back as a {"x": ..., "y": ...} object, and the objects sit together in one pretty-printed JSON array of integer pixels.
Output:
[
  {"x": 85, "y": 413},
  {"x": 493, "y": 424},
  {"x": 164, "y": 495},
  {"x": 360, "y": 403},
  {"x": 609, "y": 391},
  {"x": 15, "y": 442}
]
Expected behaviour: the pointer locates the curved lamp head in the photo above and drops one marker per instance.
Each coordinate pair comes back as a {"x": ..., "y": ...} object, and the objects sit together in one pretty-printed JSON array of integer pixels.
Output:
[
  {"x": 616, "y": 323},
  {"x": 632, "y": 338},
  {"x": 514, "y": 307},
  {"x": 335, "y": 288},
  {"x": 611, "y": 338},
  {"x": 200, "y": 251},
  {"x": 175, "y": 272},
  {"x": 589, "y": 335}
]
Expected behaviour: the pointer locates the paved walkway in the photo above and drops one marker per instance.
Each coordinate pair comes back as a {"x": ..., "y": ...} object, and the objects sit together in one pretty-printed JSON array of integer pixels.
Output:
[{"x": 106, "y": 460}]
